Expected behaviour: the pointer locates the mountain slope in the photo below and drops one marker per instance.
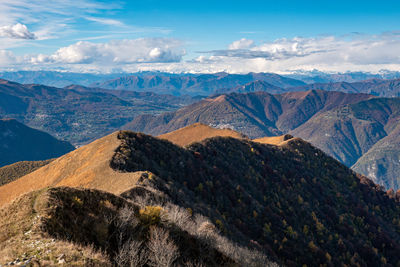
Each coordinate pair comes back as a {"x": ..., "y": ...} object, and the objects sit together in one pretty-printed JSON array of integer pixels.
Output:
[
  {"x": 78, "y": 116},
  {"x": 256, "y": 86},
  {"x": 382, "y": 161},
  {"x": 253, "y": 114},
  {"x": 364, "y": 134},
  {"x": 19, "y": 142},
  {"x": 291, "y": 201}
]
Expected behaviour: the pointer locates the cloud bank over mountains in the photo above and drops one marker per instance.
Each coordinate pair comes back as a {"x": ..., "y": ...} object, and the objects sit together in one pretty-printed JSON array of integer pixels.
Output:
[{"x": 327, "y": 53}]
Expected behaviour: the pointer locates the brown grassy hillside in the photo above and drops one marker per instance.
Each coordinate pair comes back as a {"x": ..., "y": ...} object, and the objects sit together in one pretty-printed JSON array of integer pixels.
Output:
[
  {"x": 197, "y": 132},
  {"x": 273, "y": 140},
  {"x": 88, "y": 166},
  {"x": 14, "y": 171}
]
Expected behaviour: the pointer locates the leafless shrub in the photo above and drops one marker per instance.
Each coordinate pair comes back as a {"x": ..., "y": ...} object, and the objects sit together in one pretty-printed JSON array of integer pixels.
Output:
[
  {"x": 194, "y": 264},
  {"x": 143, "y": 201},
  {"x": 162, "y": 251},
  {"x": 131, "y": 254},
  {"x": 127, "y": 215},
  {"x": 126, "y": 221},
  {"x": 180, "y": 216},
  {"x": 243, "y": 256},
  {"x": 207, "y": 229}
]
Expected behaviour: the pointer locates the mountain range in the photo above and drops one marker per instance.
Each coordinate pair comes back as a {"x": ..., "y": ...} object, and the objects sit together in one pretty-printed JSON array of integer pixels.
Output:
[
  {"x": 378, "y": 87},
  {"x": 126, "y": 199},
  {"x": 349, "y": 77},
  {"x": 65, "y": 78},
  {"x": 194, "y": 84},
  {"x": 360, "y": 130},
  {"x": 385, "y": 83},
  {"x": 255, "y": 114},
  {"x": 56, "y": 78},
  {"x": 221, "y": 83}
]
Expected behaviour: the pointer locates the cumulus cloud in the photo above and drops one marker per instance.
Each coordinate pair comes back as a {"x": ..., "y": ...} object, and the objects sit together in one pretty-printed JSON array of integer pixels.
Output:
[
  {"x": 16, "y": 31},
  {"x": 117, "y": 52},
  {"x": 241, "y": 44},
  {"x": 279, "y": 49}
]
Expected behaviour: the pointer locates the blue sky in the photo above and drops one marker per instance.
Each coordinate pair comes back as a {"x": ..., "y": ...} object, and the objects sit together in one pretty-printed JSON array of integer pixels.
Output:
[{"x": 200, "y": 36}]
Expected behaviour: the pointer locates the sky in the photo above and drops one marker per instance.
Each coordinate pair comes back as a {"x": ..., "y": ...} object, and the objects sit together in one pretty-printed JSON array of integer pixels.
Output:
[{"x": 200, "y": 36}]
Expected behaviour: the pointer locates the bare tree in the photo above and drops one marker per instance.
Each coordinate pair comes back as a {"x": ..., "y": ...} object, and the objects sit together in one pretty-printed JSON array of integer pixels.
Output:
[
  {"x": 180, "y": 217},
  {"x": 162, "y": 251},
  {"x": 131, "y": 254}
]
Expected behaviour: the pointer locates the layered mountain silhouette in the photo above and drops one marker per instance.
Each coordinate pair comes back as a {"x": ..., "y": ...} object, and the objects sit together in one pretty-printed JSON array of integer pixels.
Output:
[
  {"x": 19, "y": 142},
  {"x": 316, "y": 76},
  {"x": 195, "y": 84},
  {"x": 256, "y": 86},
  {"x": 378, "y": 87},
  {"x": 290, "y": 202},
  {"x": 78, "y": 114},
  {"x": 56, "y": 78}
]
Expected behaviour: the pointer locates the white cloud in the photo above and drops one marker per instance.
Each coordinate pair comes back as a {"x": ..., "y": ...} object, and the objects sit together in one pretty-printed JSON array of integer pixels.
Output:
[
  {"x": 55, "y": 18},
  {"x": 16, "y": 31},
  {"x": 106, "y": 21},
  {"x": 241, "y": 44},
  {"x": 117, "y": 52}
]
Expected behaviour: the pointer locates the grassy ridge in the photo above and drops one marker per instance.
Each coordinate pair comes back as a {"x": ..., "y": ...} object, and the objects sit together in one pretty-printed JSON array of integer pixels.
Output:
[{"x": 14, "y": 171}]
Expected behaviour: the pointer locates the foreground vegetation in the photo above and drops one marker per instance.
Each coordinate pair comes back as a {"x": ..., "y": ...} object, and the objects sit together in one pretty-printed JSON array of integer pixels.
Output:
[{"x": 90, "y": 227}]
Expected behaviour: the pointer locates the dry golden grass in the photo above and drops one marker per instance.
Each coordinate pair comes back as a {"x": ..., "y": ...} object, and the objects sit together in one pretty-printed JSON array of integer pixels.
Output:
[
  {"x": 14, "y": 171},
  {"x": 21, "y": 236},
  {"x": 88, "y": 167},
  {"x": 274, "y": 140},
  {"x": 196, "y": 133}
]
